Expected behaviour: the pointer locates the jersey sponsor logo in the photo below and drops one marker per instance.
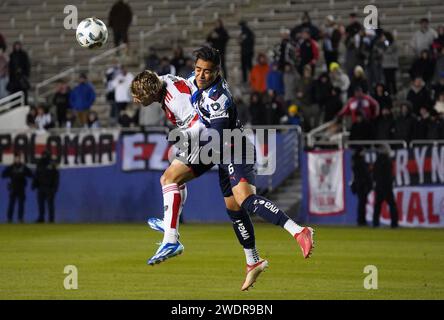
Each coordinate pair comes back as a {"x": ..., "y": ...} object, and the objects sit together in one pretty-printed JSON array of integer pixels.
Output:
[{"x": 272, "y": 207}]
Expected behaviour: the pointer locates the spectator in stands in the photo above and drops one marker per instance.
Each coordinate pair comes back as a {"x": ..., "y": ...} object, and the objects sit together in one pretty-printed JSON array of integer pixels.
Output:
[
  {"x": 331, "y": 35},
  {"x": 166, "y": 67},
  {"x": 424, "y": 122},
  {"x": 258, "y": 74},
  {"x": 110, "y": 74},
  {"x": 382, "y": 96},
  {"x": 257, "y": 109},
  {"x": 308, "y": 25},
  {"x": 362, "y": 128},
  {"x": 305, "y": 100},
  {"x": 61, "y": 102},
  {"x": 285, "y": 51},
  {"x": 438, "y": 87},
  {"x": 275, "y": 80},
  {"x": 44, "y": 119},
  {"x": 423, "y": 67},
  {"x": 339, "y": 80},
  {"x": 178, "y": 60},
  {"x": 46, "y": 182},
  {"x": 439, "y": 105},
  {"x": 384, "y": 125},
  {"x": 333, "y": 105},
  {"x": 358, "y": 80},
  {"x": 128, "y": 119},
  {"x": 438, "y": 43},
  {"x": 30, "y": 118},
  {"x": 2, "y": 43},
  {"x": 383, "y": 186},
  {"x": 119, "y": 20},
  {"x": 361, "y": 184},
  {"x": 390, "y": 63},
  {"x": 360, "y": 102},
  {"x": 293, "y": 116},
  {"x": 435, "y": 130},
  {"x": 418, "y": 95},
  {"x": 4, "y": 79},
  {"x": 322, "y": 92},
  {"x": 19, "y": 71},
  {"x": 353, "y": 28},
  {"x": 218, "y": 39},
  {"x": 274, "y": 108},
  {"x": 82, "y": 98},
  {"x": 152, "y": 60},
  {"x": 308, "y": 52},
  {"x": 423, "y": 38},
  {"x": 18, "y": 172},
  {"x": 405, "y": 123},
  {"x": 291, "y": 78},
  {"x": 439, "y": 67},
  {"x": 374, "y": 67},
  {"x": 246, "y": 41},
  {"x": 187, "y": 69},
  {"x": 352, "y": 44},
  {"x": 121, "y": 85},
  {"x": 93, "y": 120}
]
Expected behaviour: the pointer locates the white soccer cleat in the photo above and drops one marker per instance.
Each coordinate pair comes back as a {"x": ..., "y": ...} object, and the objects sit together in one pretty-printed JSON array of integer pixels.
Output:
[
  {"x": 166, "y": 251},
  {"x": 253, "y": 273},
  {"x": 156, "y": 224}
]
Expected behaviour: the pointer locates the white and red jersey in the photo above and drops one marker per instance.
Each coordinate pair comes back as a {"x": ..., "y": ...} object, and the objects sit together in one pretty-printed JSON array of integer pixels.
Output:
[{"x": 177, "y": 102}]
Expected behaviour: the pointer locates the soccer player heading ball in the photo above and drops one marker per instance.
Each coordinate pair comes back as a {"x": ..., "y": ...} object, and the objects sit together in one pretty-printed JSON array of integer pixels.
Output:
[{"x": 211, "y": 100}]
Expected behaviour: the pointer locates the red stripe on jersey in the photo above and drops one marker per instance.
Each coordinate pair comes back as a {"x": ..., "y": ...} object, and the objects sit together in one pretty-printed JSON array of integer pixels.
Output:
[
  {"x": 168, "y": 96},
  {"x": 182, "y": 87}
]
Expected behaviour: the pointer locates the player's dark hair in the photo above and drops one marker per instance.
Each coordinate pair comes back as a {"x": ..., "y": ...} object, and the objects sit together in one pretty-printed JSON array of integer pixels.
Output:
[{"x": 207, "y": 54}]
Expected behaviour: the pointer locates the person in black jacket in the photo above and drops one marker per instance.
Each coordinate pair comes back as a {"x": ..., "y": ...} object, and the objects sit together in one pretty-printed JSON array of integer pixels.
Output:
[
  {"x": 19, "y": 71},
  {"x": 383, "y": 185},
  {"x": 246, "y": 41},
  {"x": 46, "y": 181},
  {"x": 362, "y": 183},
  {"x": 17, "y": 173},
  {"x": 119, "y": 20},
  {"x": 405, "y": 124},
  {"x": 218, "y": 39}
]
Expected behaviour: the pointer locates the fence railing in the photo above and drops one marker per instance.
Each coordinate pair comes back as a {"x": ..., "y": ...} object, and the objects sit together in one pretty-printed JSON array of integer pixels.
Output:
[
  {"x": 13, "y": 100},
  {"x": 39, "y": 88}
]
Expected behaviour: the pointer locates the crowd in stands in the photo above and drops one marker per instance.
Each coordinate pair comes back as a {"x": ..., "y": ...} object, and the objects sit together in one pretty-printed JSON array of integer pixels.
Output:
[
  {"x": 314, "y": 75},
  {"x": 307, "y": 79}
]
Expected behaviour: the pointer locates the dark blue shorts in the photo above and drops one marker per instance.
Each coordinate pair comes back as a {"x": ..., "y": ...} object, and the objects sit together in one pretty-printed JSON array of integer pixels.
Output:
[
  {"x": 199, "y": 169},
  {"x": 231, "y": 174}
]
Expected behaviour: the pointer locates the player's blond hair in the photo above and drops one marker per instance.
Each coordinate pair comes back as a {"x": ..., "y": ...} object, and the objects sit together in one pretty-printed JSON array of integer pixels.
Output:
[{"x": 146, "y": 83}]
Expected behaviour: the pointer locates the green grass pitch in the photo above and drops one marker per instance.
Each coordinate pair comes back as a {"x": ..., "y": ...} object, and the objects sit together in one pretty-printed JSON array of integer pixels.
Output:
[{"x": 111, "y": 263}]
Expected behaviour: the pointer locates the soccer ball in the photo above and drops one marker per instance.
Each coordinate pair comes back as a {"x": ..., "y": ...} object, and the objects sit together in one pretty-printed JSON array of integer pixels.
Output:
[{"x": 91, "y": 33}]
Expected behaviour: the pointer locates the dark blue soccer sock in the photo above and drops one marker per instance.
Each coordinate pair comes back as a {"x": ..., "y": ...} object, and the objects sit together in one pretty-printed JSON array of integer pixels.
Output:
[
  {"x": 265, "y": 209},
  {"x": 243, "y": 228}
]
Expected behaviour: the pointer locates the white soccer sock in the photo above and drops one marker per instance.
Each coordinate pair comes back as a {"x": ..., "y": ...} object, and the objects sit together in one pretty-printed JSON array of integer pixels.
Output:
[
  {"x": 292, "y": 227},
  {"x": 252, "y": 256},
  {"x": 172, "y": 205}
]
